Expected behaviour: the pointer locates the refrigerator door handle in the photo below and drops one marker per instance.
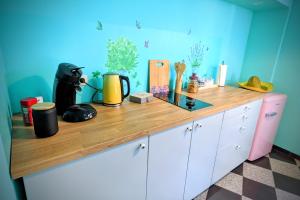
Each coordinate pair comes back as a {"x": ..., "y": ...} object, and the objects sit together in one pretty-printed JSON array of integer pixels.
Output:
[{"x": 270, "y": 114}]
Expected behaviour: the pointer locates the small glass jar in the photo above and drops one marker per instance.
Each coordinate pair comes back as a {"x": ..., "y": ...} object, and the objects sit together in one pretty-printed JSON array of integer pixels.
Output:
[{"x": 193, "y": 86}]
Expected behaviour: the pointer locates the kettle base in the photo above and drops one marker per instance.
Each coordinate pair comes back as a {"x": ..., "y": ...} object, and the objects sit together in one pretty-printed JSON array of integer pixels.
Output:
[
  {"x": 79, "y": 113},
  {"x": 112, "y": 105}
]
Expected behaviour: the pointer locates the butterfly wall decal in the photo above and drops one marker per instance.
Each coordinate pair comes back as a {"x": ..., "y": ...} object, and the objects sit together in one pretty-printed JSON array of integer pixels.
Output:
[
  {"x": 146, "y": 45},
  {"x": 138, "y": 24},
  {"x": 99, "y": 26}
]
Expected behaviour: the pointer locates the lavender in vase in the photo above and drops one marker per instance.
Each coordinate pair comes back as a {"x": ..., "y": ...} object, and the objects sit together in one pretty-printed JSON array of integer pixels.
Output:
[{"x": 197, "y": 53}]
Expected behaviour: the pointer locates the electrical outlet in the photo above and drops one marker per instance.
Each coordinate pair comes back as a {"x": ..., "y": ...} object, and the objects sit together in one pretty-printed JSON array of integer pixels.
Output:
[{"x": 85, "y": 77}]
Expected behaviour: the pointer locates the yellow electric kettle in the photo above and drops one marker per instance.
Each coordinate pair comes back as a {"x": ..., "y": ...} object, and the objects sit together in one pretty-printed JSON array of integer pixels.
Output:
[{"x": 113, "y": 91}]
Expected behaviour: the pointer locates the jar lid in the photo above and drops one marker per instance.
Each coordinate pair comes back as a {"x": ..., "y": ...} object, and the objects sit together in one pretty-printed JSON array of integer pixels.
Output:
[
  {"x": 43, "y": 106},
  {"x": 28, "y": 101}
]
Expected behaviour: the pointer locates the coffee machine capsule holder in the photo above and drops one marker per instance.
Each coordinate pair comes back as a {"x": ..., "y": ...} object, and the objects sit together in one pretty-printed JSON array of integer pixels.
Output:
[{"x": 67, "y": 82}]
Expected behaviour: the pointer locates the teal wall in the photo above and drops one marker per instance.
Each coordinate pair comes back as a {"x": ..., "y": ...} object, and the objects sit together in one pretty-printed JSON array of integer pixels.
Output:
[
  {"x": 263, "y": 43},
  {"x": 272, "y": 53},
  {"x": 9, "y": 189},
  {"x": 38, "y": 35},
  {"x": 286, "y": 80},
  {"x": 5, "y": 111}
]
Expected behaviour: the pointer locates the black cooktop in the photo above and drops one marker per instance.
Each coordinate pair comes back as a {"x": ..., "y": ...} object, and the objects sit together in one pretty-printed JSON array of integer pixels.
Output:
[{"x": 182, "y": 101}]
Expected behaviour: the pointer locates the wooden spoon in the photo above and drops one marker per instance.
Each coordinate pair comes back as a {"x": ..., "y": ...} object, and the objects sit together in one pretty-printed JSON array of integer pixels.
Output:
[{"x": 179, "y": 68}]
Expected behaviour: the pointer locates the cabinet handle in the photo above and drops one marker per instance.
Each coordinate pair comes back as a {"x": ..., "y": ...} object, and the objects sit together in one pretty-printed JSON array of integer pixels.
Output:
[
  {"x": 237, "y": 147},
  {"x": 242, "y": 128},
  {"x": 245, "y": 117},
  {"x": 188, "y": 129},
  {"x": 247, "y": 108},
  {"x": 198, "y": 125},
  {"x": 142, "y": 146}
]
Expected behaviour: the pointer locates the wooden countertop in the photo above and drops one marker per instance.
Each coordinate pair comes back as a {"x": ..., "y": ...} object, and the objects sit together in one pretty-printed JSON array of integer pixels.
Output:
[{"x": 111, "y": 127}]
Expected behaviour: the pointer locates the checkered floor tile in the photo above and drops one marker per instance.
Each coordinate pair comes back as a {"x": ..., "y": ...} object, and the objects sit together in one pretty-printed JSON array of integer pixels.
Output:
[{"x": 273, "y": 177}]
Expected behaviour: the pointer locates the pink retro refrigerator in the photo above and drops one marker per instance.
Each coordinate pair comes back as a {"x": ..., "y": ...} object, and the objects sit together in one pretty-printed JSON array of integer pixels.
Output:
[{"x": 269, "y": 118}]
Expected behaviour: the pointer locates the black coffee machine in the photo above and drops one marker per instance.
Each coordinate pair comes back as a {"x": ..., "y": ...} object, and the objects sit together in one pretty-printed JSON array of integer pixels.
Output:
[{"x": 67, "y": 82}]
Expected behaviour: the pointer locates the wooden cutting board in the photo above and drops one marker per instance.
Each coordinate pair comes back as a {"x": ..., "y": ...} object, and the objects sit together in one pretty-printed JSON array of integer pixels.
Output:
[{"x": 159, "y": 76}]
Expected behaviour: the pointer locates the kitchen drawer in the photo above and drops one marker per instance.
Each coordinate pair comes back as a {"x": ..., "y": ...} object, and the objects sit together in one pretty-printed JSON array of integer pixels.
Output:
[
  {"x": 238, "y": 132},
  {"x": 245, "y": 141},
  {"x": 242, "y": 119},
  {"x": 237, "y": 126},
  {"x": 236, "y": 138},
  {"x": 237, "y": 120},
  {"x": 228, "y": 158},
  {"x": 244, "y": 109},
  {"x": 247, "y": 134},
  {"x": 230, "y": 135}
]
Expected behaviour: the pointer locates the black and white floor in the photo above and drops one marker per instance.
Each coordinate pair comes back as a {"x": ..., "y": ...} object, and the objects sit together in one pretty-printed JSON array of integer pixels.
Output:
[{"x": 273, "y": 177}]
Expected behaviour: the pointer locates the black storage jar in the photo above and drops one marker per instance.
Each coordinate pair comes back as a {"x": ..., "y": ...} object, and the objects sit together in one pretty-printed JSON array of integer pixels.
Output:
[{"x": 44, "y": 119}]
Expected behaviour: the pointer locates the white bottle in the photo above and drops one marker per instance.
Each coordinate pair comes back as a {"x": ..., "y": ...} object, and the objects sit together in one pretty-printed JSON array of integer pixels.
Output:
[{"x": 222, "y": 75}]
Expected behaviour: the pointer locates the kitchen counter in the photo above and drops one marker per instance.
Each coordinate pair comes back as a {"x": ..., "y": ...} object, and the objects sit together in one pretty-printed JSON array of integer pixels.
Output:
[{"x": 111, "y": 127}]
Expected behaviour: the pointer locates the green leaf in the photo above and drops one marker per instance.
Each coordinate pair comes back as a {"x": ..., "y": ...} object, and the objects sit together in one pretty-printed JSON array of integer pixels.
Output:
[
  {"x": 122, "y": 55},
  {"x": 96, "y": 74}
]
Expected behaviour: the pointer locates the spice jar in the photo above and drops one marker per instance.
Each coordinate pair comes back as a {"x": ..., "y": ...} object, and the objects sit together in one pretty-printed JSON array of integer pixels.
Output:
[
  {"x": 193, "y": 84},
  {"x": 27, "y": 110}
]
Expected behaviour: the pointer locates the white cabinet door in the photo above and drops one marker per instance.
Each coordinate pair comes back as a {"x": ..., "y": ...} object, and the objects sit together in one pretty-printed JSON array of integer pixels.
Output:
[
  {"x": 118, "y": 173},
  {"x": 167, "y": 164},
  {"x": 236, "y": 138},
  {"x": 203, "y": 151},
  {"x": 227, "y": 159}
]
